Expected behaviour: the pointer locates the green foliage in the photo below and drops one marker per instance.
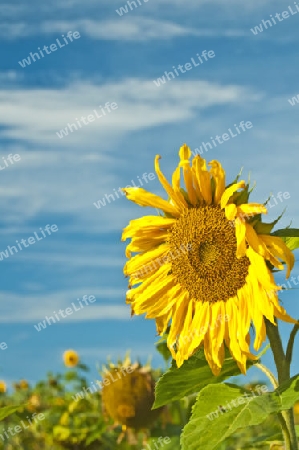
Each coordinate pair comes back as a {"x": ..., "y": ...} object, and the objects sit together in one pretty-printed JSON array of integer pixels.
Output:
[
  {"x": 262, "y": 227},
  {"x": 79, "y": 422},
  {"x": 162, "y": 348},
  {"x": 290, "y": 237},
  {"x": 8, "y": 410},
  {"x": 191, "y": 377},
  {"x": 220, "y": 410}
]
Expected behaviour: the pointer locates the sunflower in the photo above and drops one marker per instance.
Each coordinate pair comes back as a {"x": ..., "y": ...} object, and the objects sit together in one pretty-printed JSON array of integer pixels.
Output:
[
  {"x": 70, "y": 358},
  {"x": 204, "y": 266},
  {"x": 128, "y": 394},
  {"x": 2, "y": 386},
  {"x": 24, "y": 384}
]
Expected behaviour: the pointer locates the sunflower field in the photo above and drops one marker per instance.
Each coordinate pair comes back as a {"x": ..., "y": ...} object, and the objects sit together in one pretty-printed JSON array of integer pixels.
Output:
[
  {"x": 68, "y": 411},
  {"x": 204, "y": 269}
]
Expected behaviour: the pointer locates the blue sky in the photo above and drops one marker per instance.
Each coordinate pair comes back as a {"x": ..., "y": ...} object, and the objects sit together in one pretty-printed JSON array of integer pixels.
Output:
[{"x": 58, "y": 180}]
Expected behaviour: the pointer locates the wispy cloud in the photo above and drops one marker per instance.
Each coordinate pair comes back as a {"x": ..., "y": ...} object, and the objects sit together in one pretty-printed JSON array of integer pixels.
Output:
[
  {"x": 36, "y": 115},
  {"x": 17, "y": 308},
  {"x": 130, "y": 29}
]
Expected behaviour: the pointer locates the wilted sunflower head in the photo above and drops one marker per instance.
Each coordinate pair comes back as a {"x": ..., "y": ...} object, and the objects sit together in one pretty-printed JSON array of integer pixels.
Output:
[
  {"x": 204, "y": 265},
  {"x": 70, "y": 358},
  {"x": 128, "y": 394},
  {"x": 2, "y": 386}
]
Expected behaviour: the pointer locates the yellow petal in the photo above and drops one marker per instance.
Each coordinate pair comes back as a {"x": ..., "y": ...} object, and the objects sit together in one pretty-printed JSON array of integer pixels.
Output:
[
  {"x": 255, "y": 243},
  {"x": 178, "y": 199},
  {"x": 259, "y": 247},
  {"x": 183, "y": 345},
  {"x": 145, "y": 198},
  {"x": 195, "y": 182},
  {"x": 251, "y": 209},
  {"x": 163, "y": 304},
  {"x": 162, "y": 323},
  {"x": 199, "y": 326},
  {"x": 191, "y": 191},
  {"x": 160, "y": 273},
  {"x": 261, "y": 304},
  {"x": 185, "y": 153},
  {"x": 216, "y": 330},
  {"x": 281, "y": 314},
  {"x": 147, "y": 224},
  {"x": 203, "y": 179},
  {"x": 230, "y": 211},
  {"x": 140, "y": 262},
  {"x": 261, "y": 271},
  {"x": 152, "y": 294},
  {"x": 178, "y": 314},
  {"x": 219, "y": 176},
  {"x": 240, "y": 235},
  {"x": 244, "y": 295},
  {"x": 176, "y": 177},
  {"x": 140, "y": 245},
  {"x": 230, "y": 191},
  {"x": 278, "y": 248},
  {"x": 233, "y": 329}
]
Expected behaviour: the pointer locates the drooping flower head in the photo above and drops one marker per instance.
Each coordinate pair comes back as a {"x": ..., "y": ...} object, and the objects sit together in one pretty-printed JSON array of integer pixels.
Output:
[
  {"x": 70, "y": 358},
  {"x": 128, "y": 394},
  {"x": 204, "y": 266}
]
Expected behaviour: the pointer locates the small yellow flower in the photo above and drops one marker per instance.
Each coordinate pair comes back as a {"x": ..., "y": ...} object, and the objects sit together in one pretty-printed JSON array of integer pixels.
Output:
[
  {"x": 2, "y": 386},
  {"x": 70, "y": 358},
  {"x": 34, "y": 403}
]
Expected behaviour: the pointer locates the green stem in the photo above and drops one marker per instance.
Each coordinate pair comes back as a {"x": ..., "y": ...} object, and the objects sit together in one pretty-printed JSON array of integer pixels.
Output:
[
  {"x": 274, "y": 382},
  {"x": 268, "y": 373},
  {"x": 283, "y": 371},
  {"x": 289, "y": 352}
]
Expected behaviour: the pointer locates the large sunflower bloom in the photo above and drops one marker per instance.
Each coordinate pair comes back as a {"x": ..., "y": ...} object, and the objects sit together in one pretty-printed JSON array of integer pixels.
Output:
[{"x": 204, "y": 265}]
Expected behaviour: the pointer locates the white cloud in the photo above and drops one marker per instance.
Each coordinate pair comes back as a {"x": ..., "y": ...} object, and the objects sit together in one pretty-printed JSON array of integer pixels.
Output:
[
  {"x": 66, "y": 176},
  {"x": 130, "y": 29},
  {"x": 35, "y": 115},
  {"x": 33, "y": 308},
  {"x": 9, "y": 76}
]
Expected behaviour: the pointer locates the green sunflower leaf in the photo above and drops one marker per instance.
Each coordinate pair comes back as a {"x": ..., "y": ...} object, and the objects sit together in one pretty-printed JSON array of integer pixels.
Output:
[
  {"x": 162, "y": 348},
  {"x": 8, "y": 410},
  {"x": 241, "y": 197},
  {"x": 287, "y": 232},
  {"x": 220, "y": 410},
  {"x": 292, "y": 242},
  {"x": 290, "y": 237},
  {"x": 266, "y": 228},
  {"x": 191, "y": 377}
]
